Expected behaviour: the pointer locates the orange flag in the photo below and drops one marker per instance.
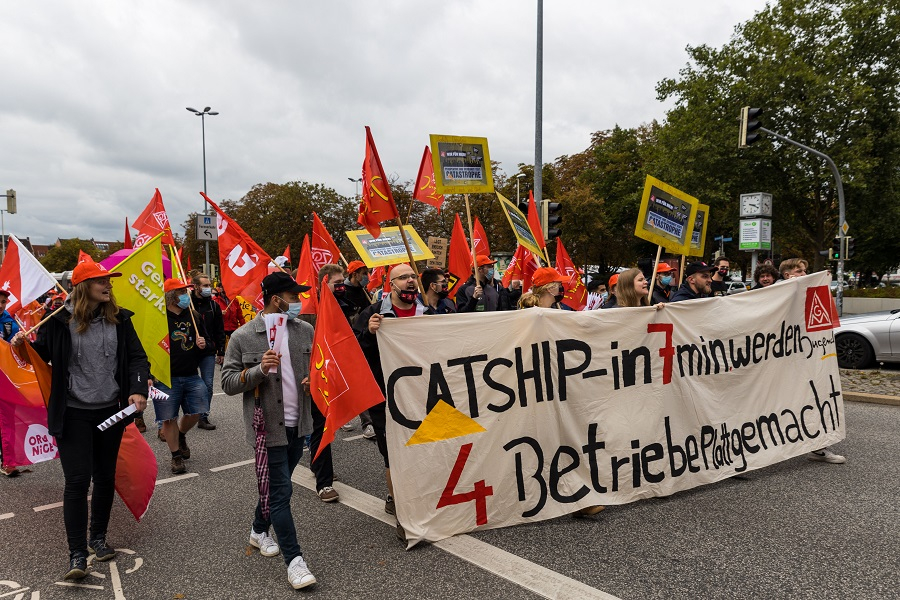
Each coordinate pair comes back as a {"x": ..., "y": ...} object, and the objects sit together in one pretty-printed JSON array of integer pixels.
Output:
[
  {"x": 127, "y": 245},
  {"x": 324, "y": 250},
  {"x": 84, "y": 257},
  {"x": 425, "y": 190},
  {"x": 287, "y": 253},
  {"x": 481, "y": 241},
  {"x": 459, "y": 258},
  {"x": 534, "y": 221},
  {"x": 522, "y": 266},
  {"x": 340, "y": 380},
  {"x": 377, "y": 203},
  {"x": 576, "y": 293},
  {"x": 376, "y": 279},
  {"x": 306, "y": 275},
  {"x": 153, "y": 220}
]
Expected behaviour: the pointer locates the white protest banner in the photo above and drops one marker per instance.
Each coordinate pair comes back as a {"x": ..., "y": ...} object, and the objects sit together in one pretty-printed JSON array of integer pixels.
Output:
[
  {"x": 275, "y": 323},
  {"x": 536, "y": 413}
]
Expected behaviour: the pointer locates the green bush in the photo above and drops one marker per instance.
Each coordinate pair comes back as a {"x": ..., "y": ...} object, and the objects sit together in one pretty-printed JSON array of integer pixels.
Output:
[{"x": 892, "y": 291}]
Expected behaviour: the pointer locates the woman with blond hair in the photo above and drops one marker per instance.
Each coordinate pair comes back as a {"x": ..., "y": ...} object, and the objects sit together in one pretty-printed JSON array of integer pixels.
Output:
[
  {"x": 546, "y": 289},
  {"x": 633, "y": 290},
  {"x": 99, "y": 368}
]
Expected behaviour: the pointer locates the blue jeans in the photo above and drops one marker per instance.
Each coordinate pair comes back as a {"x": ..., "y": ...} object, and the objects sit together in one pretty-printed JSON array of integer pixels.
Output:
[
  {"x": 207, "y": 373},
  {"x": 282, "y": 460},
  {"x": 187, "y": 393}
]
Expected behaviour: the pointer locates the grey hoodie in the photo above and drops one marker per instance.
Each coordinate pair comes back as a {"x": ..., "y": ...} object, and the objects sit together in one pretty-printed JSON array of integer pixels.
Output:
[{"x": 92, "y": 365}]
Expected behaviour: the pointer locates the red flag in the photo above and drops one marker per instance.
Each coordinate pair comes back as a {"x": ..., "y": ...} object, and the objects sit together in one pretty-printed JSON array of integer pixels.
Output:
[
  {"x": 287, "y": 252},
  {"x": 376, "y": 279},
  {"x": 127, "y": 245},
  {"x": 244, "y": 264},
  {"x": 306, "y": 275},
  {"x": 324, "y": 250},
  {"x": 84, "y": 257},
  {"x": 425, "y": 190},
  {"x": 340, "y": 380},
  {"x": 188, "y": 267},
  {"x": 23, "y": 276},
  {"x": 459, "y": 258},
  {"x": 377, "y": 201},
  {"x": 534, "y": 221},
  {"x": 481, "y": 241},
  {"x": 521, "y": 267},
  {"x": 136, "y": 471},
  {"x": 576, "y": 293},
  {"x": 153, "y": 220}
]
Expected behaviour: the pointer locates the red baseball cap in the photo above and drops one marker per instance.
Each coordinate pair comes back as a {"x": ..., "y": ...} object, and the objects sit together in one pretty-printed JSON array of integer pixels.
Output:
[
  {"x": 90, "y": 270},
  {"x": 484, "y": 259},
  {"x": 546, "y": 275},
  {"x": 175, "y": 284},
  {"x": 664, "y": 268},
  {"x": 355, "y": 265}
]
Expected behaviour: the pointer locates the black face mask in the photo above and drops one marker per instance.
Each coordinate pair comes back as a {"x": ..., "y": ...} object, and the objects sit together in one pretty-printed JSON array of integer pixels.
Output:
[
  {"x": 408, "y": 296},
  {"x": 339, "y": 290},
  {"x": 559, "y": 297},
  {"x": 443, "y": 292}
]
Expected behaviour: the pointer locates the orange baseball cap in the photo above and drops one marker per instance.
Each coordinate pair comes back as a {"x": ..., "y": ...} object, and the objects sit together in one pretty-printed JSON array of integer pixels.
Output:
[
  {"x": 664, "y": 268},
  {"x": 614, "y": 280},
  {"x": 546, "y": 275},
  {"x": 175, "y": 284},
  {"x": 355, "y": 265},
  {"x": 90, "y": 270},
  {"x": 483, "y": 259}
]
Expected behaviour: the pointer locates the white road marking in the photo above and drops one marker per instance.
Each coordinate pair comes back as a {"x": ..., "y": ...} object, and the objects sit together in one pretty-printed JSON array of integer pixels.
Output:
[
  {"x": 7, "y": 516},
  {"x": 47, "y": 506},
  {"x": 177, "y": 478},
  {"x": 18, "y": 590},
  {"x": 522, "y": 572},
  {"x": 233, "y": 465},
  {"x": 353, "y": 437},
  {"x": 78, "y": 585},
  {"x": 116, "y": 581}
]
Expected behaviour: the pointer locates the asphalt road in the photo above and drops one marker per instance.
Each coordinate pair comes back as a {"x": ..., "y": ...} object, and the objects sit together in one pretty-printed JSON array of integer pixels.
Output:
[{"x": 794, "y": 530}]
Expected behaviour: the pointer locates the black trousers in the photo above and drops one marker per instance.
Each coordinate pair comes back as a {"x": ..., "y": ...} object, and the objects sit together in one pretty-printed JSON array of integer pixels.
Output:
[
  {"x": 322, "y": 467},
  {"x": 87, "y": 454}
]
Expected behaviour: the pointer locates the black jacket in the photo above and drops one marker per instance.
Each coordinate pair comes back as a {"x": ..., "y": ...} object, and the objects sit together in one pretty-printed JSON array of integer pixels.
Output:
[
  {"x": 54, "y": 345},
  {"x": 215, "y": 325},
  {"x": 611, "y": 302},
  {"x": 368, "y": 342},
  {"x": 660, "y": 295},
  {"x": 686, "y": 293}
]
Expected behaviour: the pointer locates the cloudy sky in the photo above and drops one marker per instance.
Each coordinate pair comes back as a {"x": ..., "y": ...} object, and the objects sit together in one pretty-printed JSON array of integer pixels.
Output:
[{"x": 92, "y": 109}]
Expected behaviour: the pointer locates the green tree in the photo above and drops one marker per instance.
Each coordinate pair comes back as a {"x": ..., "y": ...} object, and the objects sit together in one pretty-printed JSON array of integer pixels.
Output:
[{"x": 65, "y": 256}]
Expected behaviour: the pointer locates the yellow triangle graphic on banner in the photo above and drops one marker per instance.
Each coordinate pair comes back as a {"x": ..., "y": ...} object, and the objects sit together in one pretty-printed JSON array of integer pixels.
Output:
[{"x": 444, "y": 422}]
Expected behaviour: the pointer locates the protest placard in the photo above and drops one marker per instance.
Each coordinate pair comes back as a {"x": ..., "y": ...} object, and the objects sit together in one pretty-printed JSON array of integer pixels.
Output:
[
  {"x": 388, "y": 248},
  {"x": 698, "y": 237},
  {"x": 462, "y": 165},
  {"x": 666, "y": 216}
]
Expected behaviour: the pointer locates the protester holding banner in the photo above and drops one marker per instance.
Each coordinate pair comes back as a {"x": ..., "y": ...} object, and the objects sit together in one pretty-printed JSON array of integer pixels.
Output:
[
  {"x": 187, "y": 342},
  {"x": 661, "y": 288},
  {"x": 274, "y": 380},
  {"x": 547, "y": 289},
  {"x": 214, "y": 352},
  {"x": 436, "y": 287},
  {"x": 611, "y": 301},
  {"x": 764, "y": 276},
  {"x": 355, "y": 284},
  {"x": 596, "y": 294},
  {"x": 483, "y": 294},
  {"x": 401, "y": 302},
  {"x": 697, "y": 282},
  {"x": 8, "y": 328},
  {"x": 633, "y": 290},
  {"x": 99, "y": 368}
]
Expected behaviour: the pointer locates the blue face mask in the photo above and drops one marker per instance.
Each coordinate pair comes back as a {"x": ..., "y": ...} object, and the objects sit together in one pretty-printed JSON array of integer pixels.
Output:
[
  {"x": 206, "y": 292},
  {"x": 184, "y": 301},
  {"x": 604, "y": 295},
  {"x": 667, "y": 280},
  {"x": 293, "y": 310},
  {"x": 364, "y": 281},
  {"x": 489, "y": 274}
]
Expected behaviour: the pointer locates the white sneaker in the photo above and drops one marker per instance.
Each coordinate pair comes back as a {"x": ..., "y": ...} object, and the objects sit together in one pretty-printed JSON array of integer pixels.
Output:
[
  {"x": 826, "y": 455},
  {"x": 368, "y": 432},
  {"x": 349, "y": 426},
  {"x": 299, "y": 574},
  {"x": 267, "y": 546}
]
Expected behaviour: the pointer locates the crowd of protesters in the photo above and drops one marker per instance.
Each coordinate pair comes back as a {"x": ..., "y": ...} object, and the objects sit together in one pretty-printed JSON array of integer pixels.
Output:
[{"x": 100, "y": 368}]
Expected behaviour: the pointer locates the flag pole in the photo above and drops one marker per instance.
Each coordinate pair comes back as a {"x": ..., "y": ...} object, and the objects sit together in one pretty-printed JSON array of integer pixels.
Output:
[
  {"x": 190, "y": 295},
  {"x": 412, "y": 261},
  {"x": 681, "y": 270},
  {"x": 44, "y": 320},
  {"x": 652, "y": 282},
  {"x": 472, "y": 238}
]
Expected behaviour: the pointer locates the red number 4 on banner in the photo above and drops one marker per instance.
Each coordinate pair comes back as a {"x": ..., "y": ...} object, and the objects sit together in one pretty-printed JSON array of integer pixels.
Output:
[{"x": 479, "y": 494}]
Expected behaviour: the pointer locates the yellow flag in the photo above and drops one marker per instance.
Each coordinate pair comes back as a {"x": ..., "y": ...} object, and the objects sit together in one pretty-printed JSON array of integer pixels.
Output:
[
  {"x": 176, "y": 268},
  {"x": 140, "y": 290}
]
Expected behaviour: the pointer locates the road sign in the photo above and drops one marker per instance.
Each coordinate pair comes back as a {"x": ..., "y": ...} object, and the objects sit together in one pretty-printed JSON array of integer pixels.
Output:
[
  {"x": 845, "y": 227},
  {"x": 206, "y": 228}
]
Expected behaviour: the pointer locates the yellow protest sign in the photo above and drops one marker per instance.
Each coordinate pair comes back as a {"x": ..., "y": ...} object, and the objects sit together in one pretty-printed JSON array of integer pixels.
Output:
[
  {"x": 140, "y": 290},
  {"x": 462, "y": 165},
  {"x": 666, "y": 216},
  {"x": 519, "y": 223},
  {"x": 388, "y": 248},
  {"x": 698, "y": 237}
]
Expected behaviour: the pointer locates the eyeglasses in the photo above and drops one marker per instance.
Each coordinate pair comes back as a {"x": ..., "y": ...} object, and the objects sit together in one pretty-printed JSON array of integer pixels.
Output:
[{"x": 406, "y": 277}]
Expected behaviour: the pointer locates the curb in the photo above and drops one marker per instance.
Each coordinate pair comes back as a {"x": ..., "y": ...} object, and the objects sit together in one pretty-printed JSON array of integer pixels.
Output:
[{"x": 872, "y": 398}]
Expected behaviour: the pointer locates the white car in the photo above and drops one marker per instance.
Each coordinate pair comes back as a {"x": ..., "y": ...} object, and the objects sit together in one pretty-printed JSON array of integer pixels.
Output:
[
  {"x": 866, "y": 338},
  {"x": 735, "y": 287}
]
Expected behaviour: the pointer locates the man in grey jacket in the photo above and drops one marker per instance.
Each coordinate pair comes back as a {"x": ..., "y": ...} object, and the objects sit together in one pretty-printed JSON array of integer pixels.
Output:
[{"x": 280, "y": 379}]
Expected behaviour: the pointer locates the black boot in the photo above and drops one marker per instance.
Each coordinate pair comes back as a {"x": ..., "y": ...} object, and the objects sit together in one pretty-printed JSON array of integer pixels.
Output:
[
  {"x": 205, "y": 424},
  {"x": 77, "y": 565},
  {"x": 98, "y": 546}
]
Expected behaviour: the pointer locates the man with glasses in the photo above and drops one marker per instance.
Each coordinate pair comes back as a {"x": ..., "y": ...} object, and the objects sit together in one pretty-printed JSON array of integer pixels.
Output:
[
  {"x": 697, "y": 282},
  {"x": 436, "y": 289},
  {"x": 403, "y": 301}
]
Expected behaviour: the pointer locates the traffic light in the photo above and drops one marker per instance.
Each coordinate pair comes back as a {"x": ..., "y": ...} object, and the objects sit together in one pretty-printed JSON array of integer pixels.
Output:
[
  {"x": 835, "y": 249},
  {"x": 552, "y": 218},
  {"x": 851, "y": 248},
  {"x": 523, "y": 206},
  {"x": 11, "y": 201},
  {"x": 749, "y": 124}
]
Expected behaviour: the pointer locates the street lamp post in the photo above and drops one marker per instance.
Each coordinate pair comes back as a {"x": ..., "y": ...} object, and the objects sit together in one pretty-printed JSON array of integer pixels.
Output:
[
  {"x": 202, "y": 114},
  {"x": 357, "y": 182},
  {"x": 518, "y": 179}
]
